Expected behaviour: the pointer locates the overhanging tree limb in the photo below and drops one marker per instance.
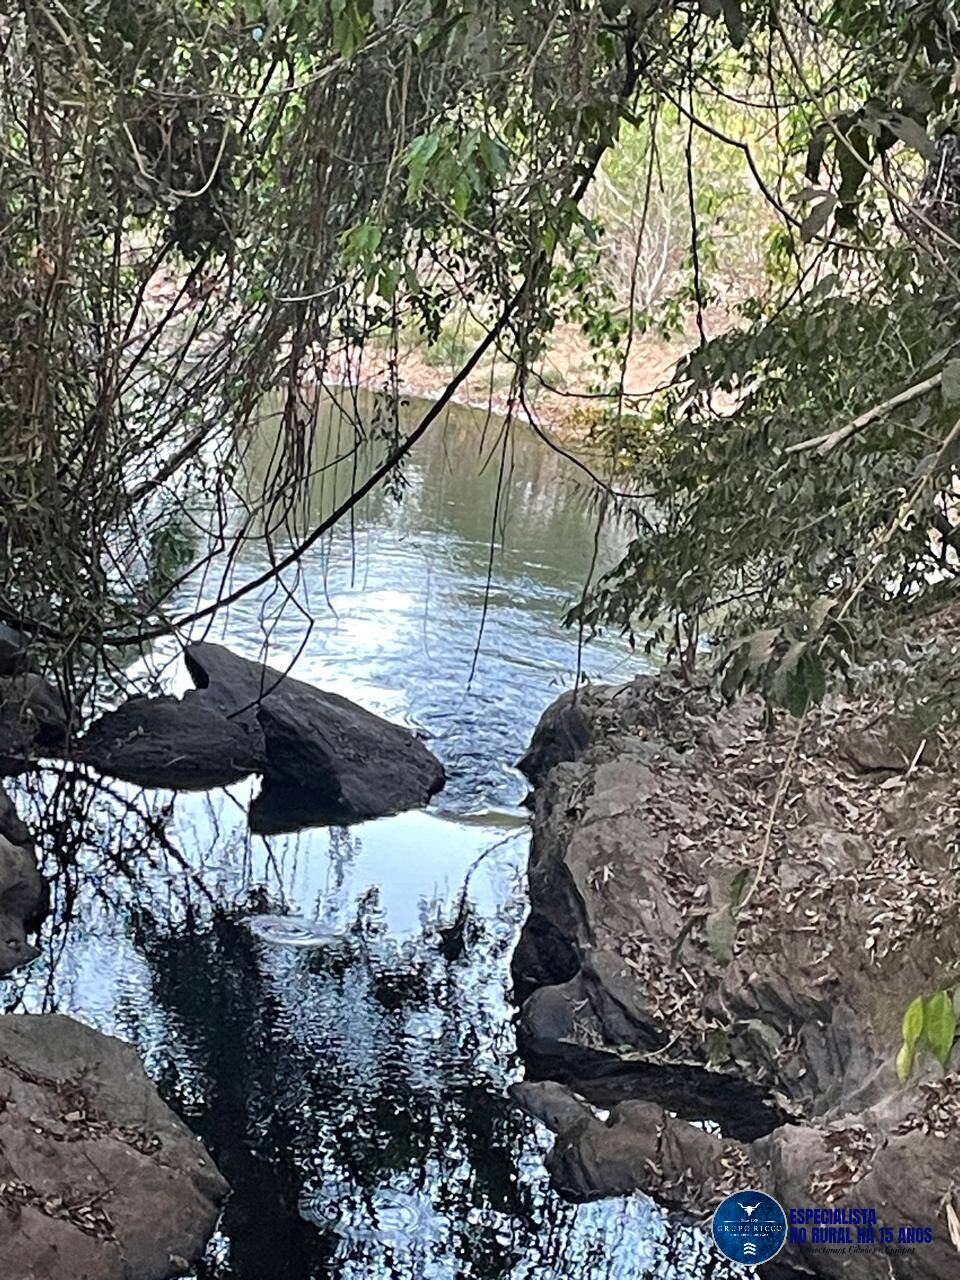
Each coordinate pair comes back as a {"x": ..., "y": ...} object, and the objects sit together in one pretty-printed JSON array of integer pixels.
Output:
[{"x": 823, "y": 444}]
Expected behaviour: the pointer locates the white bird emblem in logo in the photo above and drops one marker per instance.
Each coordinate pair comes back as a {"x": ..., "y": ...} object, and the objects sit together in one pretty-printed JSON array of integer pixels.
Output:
[{"x": 750, "y": 1209}]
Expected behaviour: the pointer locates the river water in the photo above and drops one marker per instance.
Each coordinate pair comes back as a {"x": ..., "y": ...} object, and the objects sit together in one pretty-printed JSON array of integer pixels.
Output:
[{"x": 353, "y": 1090}]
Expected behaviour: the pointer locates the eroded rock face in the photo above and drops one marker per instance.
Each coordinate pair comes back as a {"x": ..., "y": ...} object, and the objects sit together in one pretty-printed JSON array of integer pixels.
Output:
[
  {"x": 98, "y": 1179},
  {"x": 681, "y": 945},
  {"x": 348, "y": 762},
  {"x": 24, "y": 900}
]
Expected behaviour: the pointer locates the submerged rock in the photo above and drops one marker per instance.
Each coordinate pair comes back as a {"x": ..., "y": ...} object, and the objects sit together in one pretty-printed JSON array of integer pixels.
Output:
[
  {"x": 24, "y": 894},
  {"x": 98, "y": 1178},
  {"x": 342, "y": 759},
  {"x": 278, "y": 809},
  {"x": 169, "y": 742},
  {"x": 686, "y": 957}
]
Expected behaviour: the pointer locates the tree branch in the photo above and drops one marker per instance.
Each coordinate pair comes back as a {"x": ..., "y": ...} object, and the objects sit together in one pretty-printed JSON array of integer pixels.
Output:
[{"x": 823, "y": 444}]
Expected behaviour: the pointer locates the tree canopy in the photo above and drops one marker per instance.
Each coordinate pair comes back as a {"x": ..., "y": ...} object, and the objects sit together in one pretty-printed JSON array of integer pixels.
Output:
[{"x": 308, "y": 176}]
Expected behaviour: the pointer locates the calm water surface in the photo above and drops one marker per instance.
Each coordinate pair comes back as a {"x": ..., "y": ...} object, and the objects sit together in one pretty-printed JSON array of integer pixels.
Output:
[{"x": 348, "y": 1076}]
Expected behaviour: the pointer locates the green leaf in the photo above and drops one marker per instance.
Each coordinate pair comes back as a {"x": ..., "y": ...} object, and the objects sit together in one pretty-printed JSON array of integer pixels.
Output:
[
  {"x": 913, "y": 134},
  {"x": 349, "y": 27},
  {"x": 462, "y": 192},
  {"x": 801, "y": 681},
  {"x": 361, "y": 242},
  {"x": 905, "y": 1061},
  {"x": 939, "y": 1026},
  {"x": 817, "y": 218},
  {"x": 389, "y": 279},
  {"x": 913, "y": 1022},
  {"x": 815, "y": 149},
  {"x": 493, "y": 155},
  {"x": 738, "y": 886},
  {"x": 418, "y": 157},
  {"x": 717, "y": 1046},
  {"x": 852, "y": 161},
  {"x": 816, "y": 676}
]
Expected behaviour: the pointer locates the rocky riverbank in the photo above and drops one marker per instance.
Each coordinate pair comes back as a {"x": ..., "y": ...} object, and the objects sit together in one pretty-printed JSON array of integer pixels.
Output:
[{"x": 728, "y": 925}]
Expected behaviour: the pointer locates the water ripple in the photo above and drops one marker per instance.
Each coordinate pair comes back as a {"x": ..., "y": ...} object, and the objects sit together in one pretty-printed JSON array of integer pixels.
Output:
[{"x": 292, "y": 931}]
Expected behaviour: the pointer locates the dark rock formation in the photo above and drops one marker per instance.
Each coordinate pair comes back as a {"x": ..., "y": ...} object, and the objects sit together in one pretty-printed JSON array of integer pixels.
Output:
[
  {"x": 98, "y": 1179},
  {"x": 14, "y": 657},
  {"x": 168, "y": 742},
  {"x": 33, "y": 719},
  {"x": 712, "y": 938},
  {"x": 12, "y": 827},
  {"x": 24, "y": 894},
  {"x": 344, "y": 761}
]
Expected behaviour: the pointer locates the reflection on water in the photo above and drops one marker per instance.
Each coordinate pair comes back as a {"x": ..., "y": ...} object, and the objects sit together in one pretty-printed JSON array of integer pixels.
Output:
[{"x": 328, "y": 1010}]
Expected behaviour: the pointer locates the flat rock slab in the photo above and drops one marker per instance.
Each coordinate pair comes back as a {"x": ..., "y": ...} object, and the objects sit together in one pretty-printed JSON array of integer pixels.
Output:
[
  {"x": 98, "y": 1178},
  {"x": 346, "y": 760},
  {"x": 168, "y": 742}
]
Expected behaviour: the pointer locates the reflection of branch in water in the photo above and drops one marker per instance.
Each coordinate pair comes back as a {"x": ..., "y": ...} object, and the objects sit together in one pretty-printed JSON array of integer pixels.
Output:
[
  {"x": 305, "y": 1075},
  {"x": 89, "y": 833},
  {"x": 155, "y": 830},
  {"x": 453, "y": 936}
]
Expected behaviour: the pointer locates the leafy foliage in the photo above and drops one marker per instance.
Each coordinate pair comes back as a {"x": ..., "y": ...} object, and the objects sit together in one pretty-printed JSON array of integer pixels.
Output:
[
  {"x": 202, "y": 203},
  {"x": 929, "y": 1023}
]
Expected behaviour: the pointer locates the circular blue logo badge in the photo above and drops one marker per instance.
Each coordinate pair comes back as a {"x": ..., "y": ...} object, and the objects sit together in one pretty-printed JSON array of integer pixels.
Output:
[{"x": 749, "y": 1227}]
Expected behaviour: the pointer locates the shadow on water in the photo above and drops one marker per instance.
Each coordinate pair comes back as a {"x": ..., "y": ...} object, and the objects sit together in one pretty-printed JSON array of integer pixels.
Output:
[{"x": 354, "y": 1091}]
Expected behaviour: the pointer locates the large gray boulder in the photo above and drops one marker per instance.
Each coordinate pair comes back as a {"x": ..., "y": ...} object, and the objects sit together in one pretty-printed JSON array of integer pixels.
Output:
[
  {"x": 350, "y": 763},
  {"x": 98, "y": 1178},
  {"x": 725, "y": 927},
  {"x": 169, "y": 742}
]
